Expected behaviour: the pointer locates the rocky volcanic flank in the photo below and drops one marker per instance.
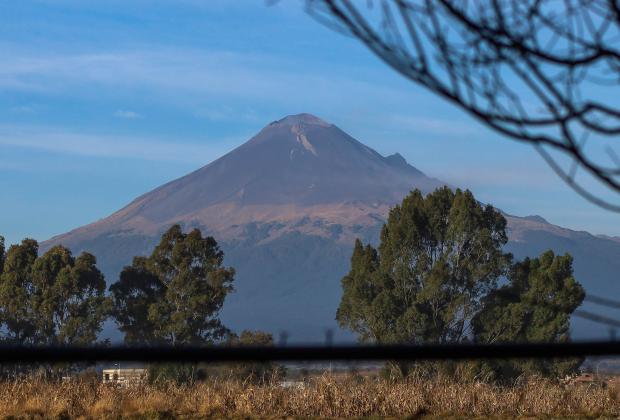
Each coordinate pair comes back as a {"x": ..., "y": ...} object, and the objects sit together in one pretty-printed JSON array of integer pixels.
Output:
[{"x": 286, "y": 207}]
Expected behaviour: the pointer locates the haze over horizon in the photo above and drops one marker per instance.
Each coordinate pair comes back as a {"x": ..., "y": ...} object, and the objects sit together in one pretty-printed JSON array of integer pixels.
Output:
[{"x": 107, "y": 100}]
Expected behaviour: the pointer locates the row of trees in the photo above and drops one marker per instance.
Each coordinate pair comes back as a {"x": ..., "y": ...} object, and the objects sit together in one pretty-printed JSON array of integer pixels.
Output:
[
  {"x": 171, "y": 297},
  {"x": 51, "y": 299},
  {"x": 440, "y": 275}
]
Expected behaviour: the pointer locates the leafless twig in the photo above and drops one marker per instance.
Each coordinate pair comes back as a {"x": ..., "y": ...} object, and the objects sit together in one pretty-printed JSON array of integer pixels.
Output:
[{"x": 538, "y": 71}]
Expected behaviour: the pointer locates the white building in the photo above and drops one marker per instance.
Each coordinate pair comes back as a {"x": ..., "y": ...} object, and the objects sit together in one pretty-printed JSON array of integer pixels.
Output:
[{"x": 124, "y": 376}]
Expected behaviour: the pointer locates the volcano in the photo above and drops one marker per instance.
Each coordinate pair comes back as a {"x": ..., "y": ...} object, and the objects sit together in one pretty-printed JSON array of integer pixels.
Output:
[
  {"x": 298, "y": 169},
  {"x": 286, "y": 207}
]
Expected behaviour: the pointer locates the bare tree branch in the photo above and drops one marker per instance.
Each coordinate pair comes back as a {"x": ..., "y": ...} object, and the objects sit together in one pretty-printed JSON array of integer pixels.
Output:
[{"x": 537, "y": 71}]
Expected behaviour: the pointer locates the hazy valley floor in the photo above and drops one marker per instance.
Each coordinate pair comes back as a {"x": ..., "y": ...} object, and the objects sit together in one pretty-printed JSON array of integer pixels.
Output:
[{"x": 323, "y": 397}]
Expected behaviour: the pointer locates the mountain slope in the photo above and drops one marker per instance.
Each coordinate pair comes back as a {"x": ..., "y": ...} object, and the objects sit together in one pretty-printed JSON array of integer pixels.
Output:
[
  {"x": 296, "y": 167},
  {"x": 286, "y": 207}
]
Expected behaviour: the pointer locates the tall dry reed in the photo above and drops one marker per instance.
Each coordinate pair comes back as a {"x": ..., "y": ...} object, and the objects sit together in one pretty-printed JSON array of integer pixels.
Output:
[{"x": 325, "y": 396}]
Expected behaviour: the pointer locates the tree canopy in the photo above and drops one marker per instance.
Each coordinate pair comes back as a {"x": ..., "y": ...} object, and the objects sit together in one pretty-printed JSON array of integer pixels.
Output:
[
  {"x": 174, "y": 295},
  {"x": 535, "y": 306},
  {"x": 440, "y": 275},
  {"x": 52, "y": 299},
  {"x": 439, "y": 255}
]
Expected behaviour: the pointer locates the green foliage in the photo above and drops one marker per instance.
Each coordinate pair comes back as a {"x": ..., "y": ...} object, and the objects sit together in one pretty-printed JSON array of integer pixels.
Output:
[
  {"x": 16, "y": 282},
  {"x": 535, "y": 306},
  {"x": 435, "y": 278},
  {"x": 174, "y": 295},
  {"x": 137, "y": 289},
  {"x": 252, "y": 338},
  {"x": 439, "y": 255},
  {"x": 52, "y": 299}
]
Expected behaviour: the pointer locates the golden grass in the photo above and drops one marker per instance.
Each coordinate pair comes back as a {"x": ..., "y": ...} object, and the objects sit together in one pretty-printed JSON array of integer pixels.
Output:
[{"x": 325, "y": 396}]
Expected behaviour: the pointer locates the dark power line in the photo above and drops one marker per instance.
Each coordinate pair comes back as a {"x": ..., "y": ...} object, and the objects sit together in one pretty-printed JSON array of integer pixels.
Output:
[
  {"x": 25, "y": 354},
  {"x": 597, "y": 318},
  {"x": 611, "y": 303},
  {"x": 534, "y": 71}
]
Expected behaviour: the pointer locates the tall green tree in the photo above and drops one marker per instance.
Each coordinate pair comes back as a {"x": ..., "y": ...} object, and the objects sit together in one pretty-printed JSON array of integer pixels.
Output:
[
  {"x": 17, "y": 312},
  {"x": 69, "y": 297},
  {"x": 174, "y": 296},
  {"x": 439, "y": 256},
  {"x": 535, "y": 306},
  {"x": 53, "y": 299},
  {"x": 137, "y": 289},
  {"x": 435, "y": 277}
]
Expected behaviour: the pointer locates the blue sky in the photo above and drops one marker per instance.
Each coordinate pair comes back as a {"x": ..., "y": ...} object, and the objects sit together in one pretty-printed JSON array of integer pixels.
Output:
[{"x": 102, "y": 101}]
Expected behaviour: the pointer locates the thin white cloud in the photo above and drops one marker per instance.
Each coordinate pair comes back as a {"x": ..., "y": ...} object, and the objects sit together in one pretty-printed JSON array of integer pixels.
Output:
[
  {"x": 434, "y": 125},
  {"x": 64, "y": 142},
  {"x": 126, "y": 114},
  {"x": 226, "y": 113},
  {"x": 535, "y": 177},
  {"x": 182, "y": 75},
  {"x": 23, "y": 109}
]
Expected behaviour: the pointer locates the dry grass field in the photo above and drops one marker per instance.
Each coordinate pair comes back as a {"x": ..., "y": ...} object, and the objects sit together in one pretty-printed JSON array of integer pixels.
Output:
[{"x": 325, "y": 396}]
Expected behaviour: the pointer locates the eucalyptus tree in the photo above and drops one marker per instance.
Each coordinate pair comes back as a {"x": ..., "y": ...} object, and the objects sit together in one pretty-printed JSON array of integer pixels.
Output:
[
  {"x": 53, "y": 299},
  {"x": 534, "y": 306},
  {"x": 174, "y": 295},
  {"x": 439, "y": 256}
]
